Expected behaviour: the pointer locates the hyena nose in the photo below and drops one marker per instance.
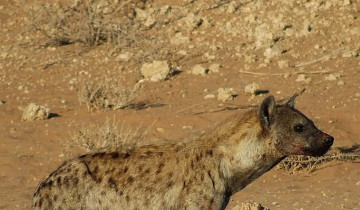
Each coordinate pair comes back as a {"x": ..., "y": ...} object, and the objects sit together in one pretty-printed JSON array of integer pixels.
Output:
[{"x": 329, "y": 140}]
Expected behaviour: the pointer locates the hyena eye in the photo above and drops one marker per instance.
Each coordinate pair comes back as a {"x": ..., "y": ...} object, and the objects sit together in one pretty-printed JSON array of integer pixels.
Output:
[{"x": 299, "y": 128}]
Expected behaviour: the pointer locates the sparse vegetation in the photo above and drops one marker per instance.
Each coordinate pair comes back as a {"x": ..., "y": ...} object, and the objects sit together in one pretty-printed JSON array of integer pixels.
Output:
[
  {"x": 310, "y": 164},
  {"x": 112, "y": 134},
  {"x": 106, "y": 94},
  {"x": 95, "y": 22},
  {"x": 89, "y": 22},
  {"x": 45, "y": 46}
]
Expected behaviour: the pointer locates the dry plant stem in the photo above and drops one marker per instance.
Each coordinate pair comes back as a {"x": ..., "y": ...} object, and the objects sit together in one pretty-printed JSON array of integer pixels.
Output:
[
  {"x": 112, "y": 134},
  {"x": 261, "y": 74},
  {"x": 192, "y": 106},
  {"x": 226, "y": 108},
  {"x": 282, "y": 74},
  {"x": 309, "y": 164},
  {"x": 236, "y": 107},
  {"x": 326, "y": 57}
]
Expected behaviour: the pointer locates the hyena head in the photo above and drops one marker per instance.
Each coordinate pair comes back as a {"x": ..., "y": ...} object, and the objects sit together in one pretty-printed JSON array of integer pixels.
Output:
[{"x": 290, "y": 131}]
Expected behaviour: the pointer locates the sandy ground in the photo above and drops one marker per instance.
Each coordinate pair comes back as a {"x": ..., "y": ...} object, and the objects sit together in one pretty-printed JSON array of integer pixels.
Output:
[{"x": 328, "y": 54}]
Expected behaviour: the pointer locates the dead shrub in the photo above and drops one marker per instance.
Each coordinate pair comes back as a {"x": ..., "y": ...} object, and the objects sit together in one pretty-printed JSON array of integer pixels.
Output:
[
  {"x": 90, "y": 22},
  {"x": 309, "y": 164},
  {"x": 111, "y": 134},
  {"x": 106, "y": 94},
  {"x": 97, "y": 22}
]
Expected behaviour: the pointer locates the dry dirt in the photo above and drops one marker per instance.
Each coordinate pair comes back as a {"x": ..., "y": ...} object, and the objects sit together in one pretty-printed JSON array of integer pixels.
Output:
[{"x": 283, "y": 46}]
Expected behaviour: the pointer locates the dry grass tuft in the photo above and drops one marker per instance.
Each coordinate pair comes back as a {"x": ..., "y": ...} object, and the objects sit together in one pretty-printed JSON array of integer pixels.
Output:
[
  {"x": 309, "y": 164},
  {"x": 110, "y": 135},
  {"x": 90, "y": 22},
  {"x": 106, "y": 94}
]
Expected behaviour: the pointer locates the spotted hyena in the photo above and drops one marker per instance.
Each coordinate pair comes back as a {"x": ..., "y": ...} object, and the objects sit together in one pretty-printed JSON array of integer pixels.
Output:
[{"x": 193, "y": 174}]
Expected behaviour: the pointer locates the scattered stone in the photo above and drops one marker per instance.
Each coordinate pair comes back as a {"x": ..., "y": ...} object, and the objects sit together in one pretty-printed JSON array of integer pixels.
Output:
[
  {"x": 199, "y": 70},
  {"x": 347, "y": 2},
  {"x": 214, "y": 68},
  {"x": 233, "y": 7},
  {"x": 147, "y": 19},
  {"x": 286, "y": 75},
  {"x": 250, "y": 205},
  {"x": 179, "y": 39},
  {"x": 141, "y": 14},
  {"x": 341, "y": 82},
  {"x": 283, "y": 64},
  {"x": 187, "y": 127},
  {"x": 332, "y": 77},
  {"x": 348, "y": 54},
  {"x": 225, "y": 94},
  {"x": 155, "y": 71},
  {"x": 160, "y": 130},
  {"x": 209, "y": 96},
  {"x": 35, "y": 112},
  {"x": 182, "y": 52},
  {"x": 303, "y": 78},
  {"x": 150, "y": 22},
  {"x": 271, "y": 52},
  {"x": 124, "y": 57},
  {"x": 251, "y": 88},
  {"x": 191, "y": 21}
]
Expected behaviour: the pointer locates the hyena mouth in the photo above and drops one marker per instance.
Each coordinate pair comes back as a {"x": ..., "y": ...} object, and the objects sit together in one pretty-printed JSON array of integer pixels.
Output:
[
  {"x": 325, "y": 144},
  {"x": 316, "y": 151}
]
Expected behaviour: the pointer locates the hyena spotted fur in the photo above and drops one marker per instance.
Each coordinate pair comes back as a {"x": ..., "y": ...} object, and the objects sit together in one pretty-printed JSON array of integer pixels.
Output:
[{"x": 197, "y": 174}]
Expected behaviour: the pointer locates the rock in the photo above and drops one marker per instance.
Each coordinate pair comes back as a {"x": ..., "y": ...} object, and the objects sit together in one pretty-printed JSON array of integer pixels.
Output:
[
  {"x": 271, "y": 52},
  {"x": 35, "y": 112},
  {"x": 191, "y": 21},
  {"x": 150, "y": 22},
  {"x": 332, "y": 77},
  {"x": 199, "y": 70},
  {"x": 214, "y": 68},
  {"x": 182, "y": 52},
  {"x": 250, "y": 205},
  {"x": 155, "y": 71},
  {"x": 160, "y": 130},
  {"x": 187, "y": 127},
  {"x": 283, "y": 64},
  {"x": 251, "y": 88},
  {"x": 232, "y": 7},
  {"x": 2, "y": 102},
  {"x": 347, "y": 2},
  {"x": 225, "y": 94},
  {"x": 303, "y": 78},
  {"x": 341, "y": 82},
  {"x": 209, "y": 96},
  {"x": 147, "y": 19},
  {"x": 178, "y": 39},
  {"x": 124, "y": 57},
  {"x": 141, "y": 14}
]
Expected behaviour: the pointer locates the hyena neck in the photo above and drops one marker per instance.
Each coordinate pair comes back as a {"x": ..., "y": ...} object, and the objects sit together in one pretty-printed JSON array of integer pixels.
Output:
[{"x": 250, "y": 158}]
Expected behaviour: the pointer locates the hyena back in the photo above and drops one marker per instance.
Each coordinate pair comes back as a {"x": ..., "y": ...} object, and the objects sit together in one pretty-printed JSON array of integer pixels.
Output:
[{"x": 197, "y": 174}]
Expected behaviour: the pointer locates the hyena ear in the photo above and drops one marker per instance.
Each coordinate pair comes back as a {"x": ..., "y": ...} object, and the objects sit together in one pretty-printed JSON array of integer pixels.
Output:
[
  {"x": 266, "y": 111},
  {"x": 291, "y": 101}
]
